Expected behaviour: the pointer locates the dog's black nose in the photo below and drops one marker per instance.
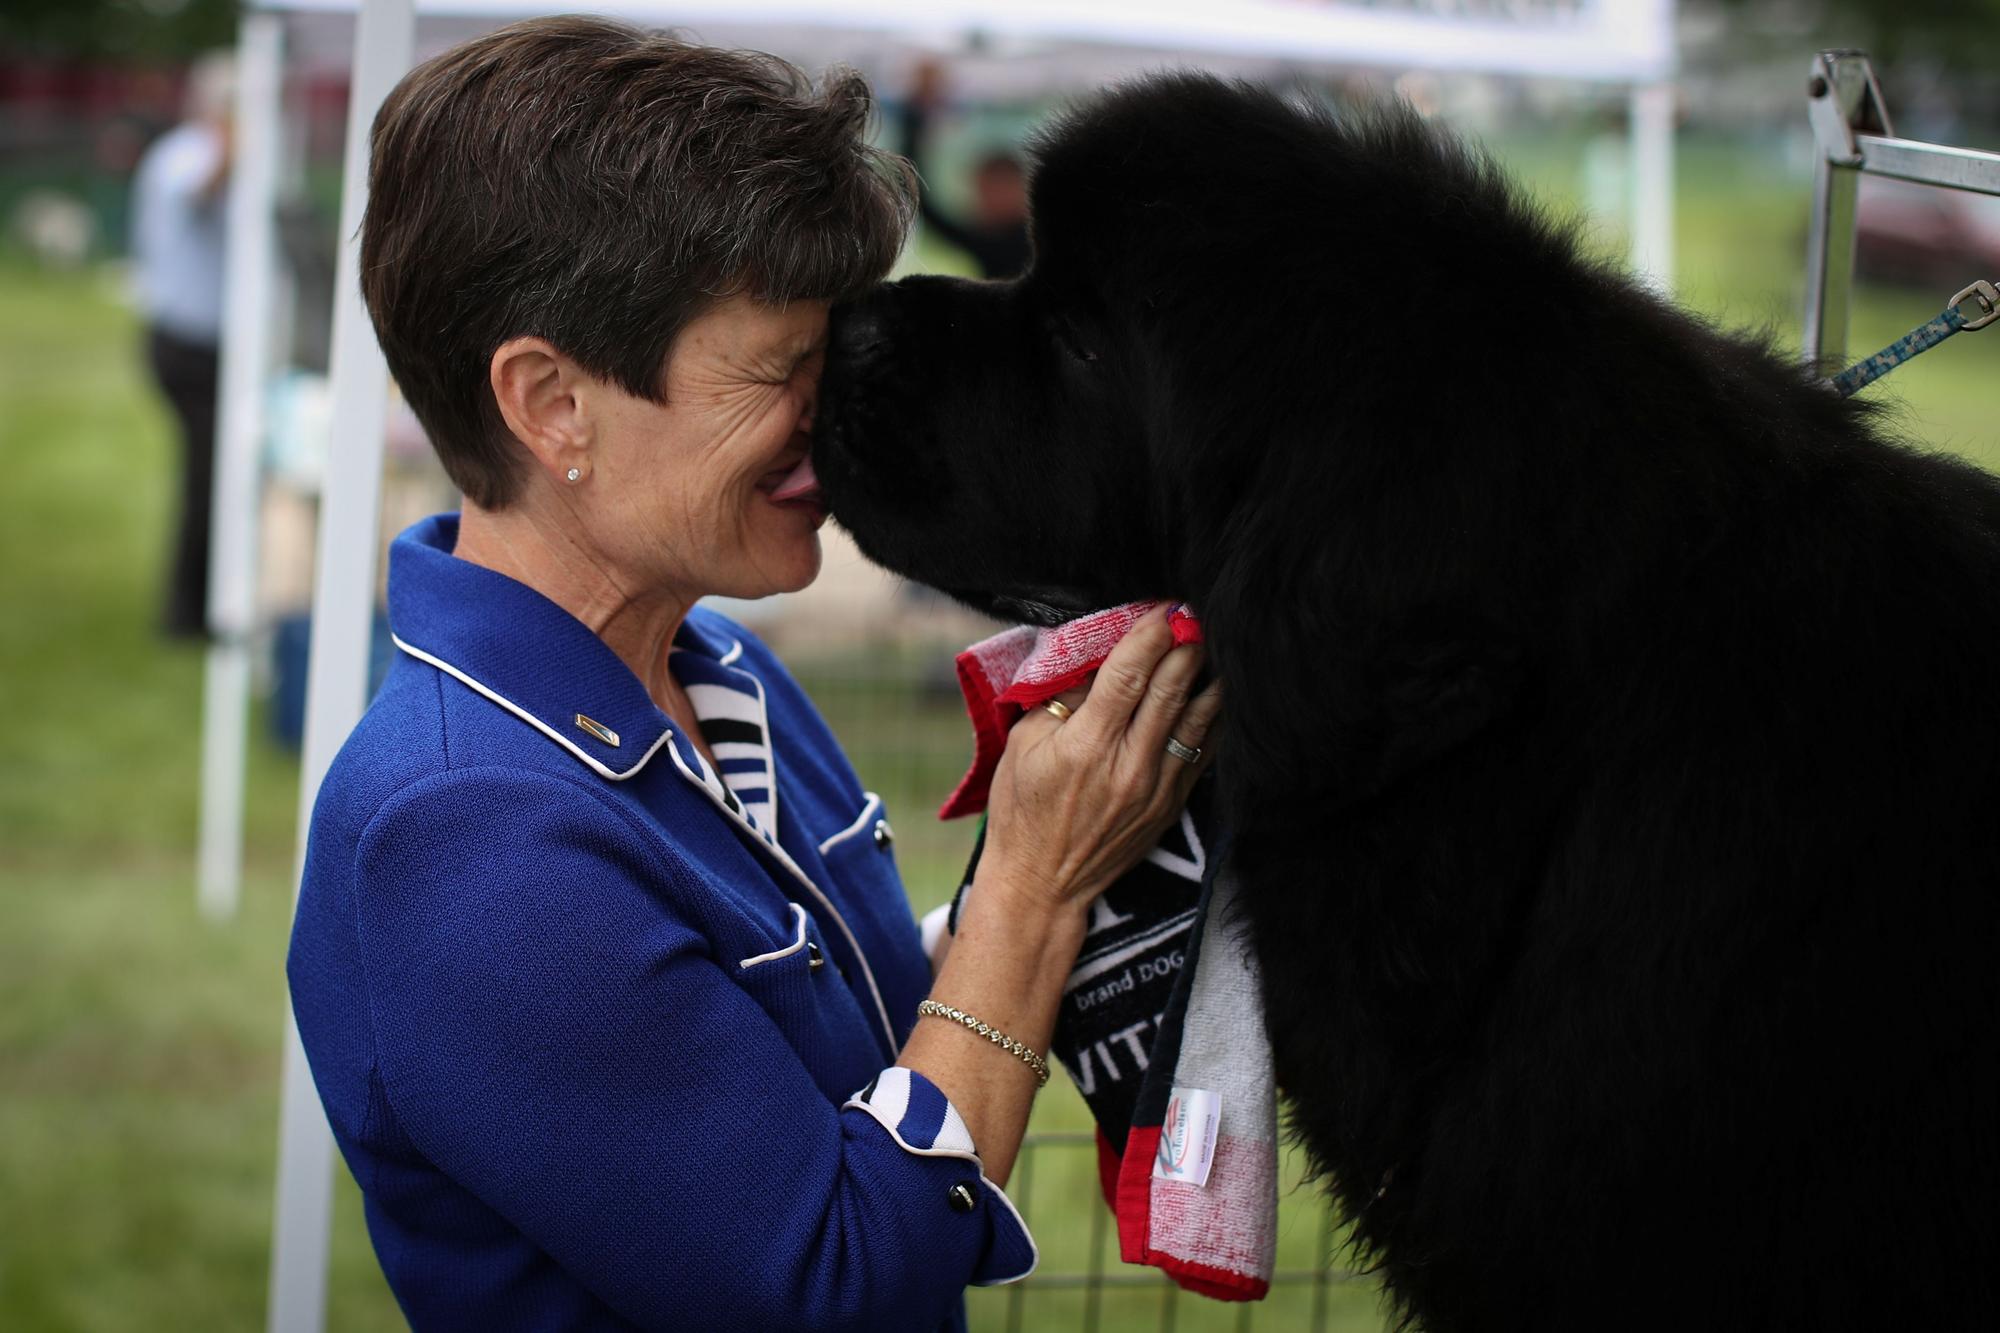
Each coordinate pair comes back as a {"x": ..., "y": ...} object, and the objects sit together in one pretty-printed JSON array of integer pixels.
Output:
[{"x": 859, "y": 329}]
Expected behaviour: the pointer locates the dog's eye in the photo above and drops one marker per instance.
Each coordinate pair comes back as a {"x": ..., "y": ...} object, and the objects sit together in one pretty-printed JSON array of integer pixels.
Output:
[{"x": 1065, "y": 338}]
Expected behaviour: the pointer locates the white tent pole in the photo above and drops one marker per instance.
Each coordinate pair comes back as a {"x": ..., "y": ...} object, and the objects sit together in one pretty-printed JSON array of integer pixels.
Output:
[
  {"x": 337, "y": 676},
  {"x": 232, "y": 569},
  {"x": 1649, "y": 26},
  {"x": 1652, "y": 128}
]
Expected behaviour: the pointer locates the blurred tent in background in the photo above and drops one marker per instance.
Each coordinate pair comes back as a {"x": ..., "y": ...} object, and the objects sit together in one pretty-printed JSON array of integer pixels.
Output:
[{"x": 83, "y": 83}]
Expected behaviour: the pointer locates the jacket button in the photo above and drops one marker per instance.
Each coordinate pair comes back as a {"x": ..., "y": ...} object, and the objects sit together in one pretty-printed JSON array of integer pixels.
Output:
[
  {"x": 883, "y": 835},
  {"x": 813, "y": 960},
  {"x": 962, "y": 1199}
]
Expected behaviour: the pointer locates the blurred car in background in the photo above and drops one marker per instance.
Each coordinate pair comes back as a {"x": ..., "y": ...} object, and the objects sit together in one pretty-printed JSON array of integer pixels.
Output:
[{"x": 1921, "y": 236}]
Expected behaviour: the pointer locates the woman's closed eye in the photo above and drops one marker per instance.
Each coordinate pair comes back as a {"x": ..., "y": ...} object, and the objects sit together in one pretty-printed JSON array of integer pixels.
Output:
[{"x": 801, "y": 367}]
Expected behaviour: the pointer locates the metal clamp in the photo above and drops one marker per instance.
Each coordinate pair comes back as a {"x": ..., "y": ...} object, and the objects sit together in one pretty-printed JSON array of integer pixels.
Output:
[
  {"x": 1853, "y": 137},
  {"x": 1843, "y": 101},
  {"x": 1984, "y": 298}
]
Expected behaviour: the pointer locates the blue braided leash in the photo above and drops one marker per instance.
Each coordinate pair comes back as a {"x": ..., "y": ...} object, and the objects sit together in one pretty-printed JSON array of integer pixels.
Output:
[{"x": 1981, "y": 297}]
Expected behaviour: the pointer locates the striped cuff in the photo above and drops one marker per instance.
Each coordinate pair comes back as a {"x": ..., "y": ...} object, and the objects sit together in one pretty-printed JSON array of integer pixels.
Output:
[
  {"x": 921, "y": 1119},
  {"x": 924, "y": 1123}
]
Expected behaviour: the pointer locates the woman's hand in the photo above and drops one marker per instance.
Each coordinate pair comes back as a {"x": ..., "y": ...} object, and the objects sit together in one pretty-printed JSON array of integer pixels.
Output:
[
  {"x": 1074, "y": 805},
  {"x": 1077, "y": 803}
]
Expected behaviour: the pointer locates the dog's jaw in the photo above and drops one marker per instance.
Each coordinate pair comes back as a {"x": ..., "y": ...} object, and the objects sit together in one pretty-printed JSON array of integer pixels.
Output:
[{"x": 1033, "y": 611}]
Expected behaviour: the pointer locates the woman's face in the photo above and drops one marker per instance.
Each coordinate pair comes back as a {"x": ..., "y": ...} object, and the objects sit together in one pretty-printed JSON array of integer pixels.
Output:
[{"x": 684, "y": 489}]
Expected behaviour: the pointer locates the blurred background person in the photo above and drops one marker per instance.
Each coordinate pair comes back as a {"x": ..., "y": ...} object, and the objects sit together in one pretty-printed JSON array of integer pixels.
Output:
[
  {"x": 996, "y": 233},
  {"x": 177, "y": 246}
]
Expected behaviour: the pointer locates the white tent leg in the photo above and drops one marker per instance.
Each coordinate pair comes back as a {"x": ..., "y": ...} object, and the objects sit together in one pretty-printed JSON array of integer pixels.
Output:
[
  {"x": 1652, "y": 118},
  {"x": 337, "y": 677},
  {"x": 225, "y": 741},
  {"x": 232, "y": 574},
  {"x": 302, "y": 1234}
]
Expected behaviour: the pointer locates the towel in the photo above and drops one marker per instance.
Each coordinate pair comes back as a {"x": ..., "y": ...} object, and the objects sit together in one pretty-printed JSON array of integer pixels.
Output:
[
  {"x": 1196, "y": 1188},
  {"x": 1162, "y": 1024}
]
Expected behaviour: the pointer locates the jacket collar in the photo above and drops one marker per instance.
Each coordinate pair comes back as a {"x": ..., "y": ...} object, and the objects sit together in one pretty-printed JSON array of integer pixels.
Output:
[
  {"x": 507, "y": 642},
  {"x": 511, "y": 644}
]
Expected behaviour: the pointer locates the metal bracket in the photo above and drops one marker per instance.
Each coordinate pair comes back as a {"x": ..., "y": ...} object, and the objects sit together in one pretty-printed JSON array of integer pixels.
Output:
[
  {"x": 1854, "y": 138},
  {"x": 1844, "y": 101},
  {"x": 1851, "y": 129}
]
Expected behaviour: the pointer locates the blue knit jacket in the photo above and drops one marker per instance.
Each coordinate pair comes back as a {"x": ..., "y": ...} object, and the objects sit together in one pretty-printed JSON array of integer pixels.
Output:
[{"x": 607, "y": 1037}]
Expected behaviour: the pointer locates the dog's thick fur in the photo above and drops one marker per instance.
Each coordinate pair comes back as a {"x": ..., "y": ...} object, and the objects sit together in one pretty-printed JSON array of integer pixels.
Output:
[{"x": 1613, "y": 736}]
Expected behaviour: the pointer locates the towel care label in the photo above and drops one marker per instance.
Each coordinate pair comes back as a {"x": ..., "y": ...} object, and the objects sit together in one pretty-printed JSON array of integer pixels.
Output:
[{"x": 1187, "y": 1136}]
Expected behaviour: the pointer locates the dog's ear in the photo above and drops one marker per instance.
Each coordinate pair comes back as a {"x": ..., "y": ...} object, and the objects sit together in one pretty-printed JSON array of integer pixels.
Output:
[
  {"x": 1386, "y": 696},
  {"x": 1431, "y": 688}
]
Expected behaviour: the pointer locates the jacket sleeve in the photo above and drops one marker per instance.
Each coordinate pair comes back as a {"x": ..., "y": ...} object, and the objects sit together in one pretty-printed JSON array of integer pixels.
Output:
[{"x": 555, "y": 1035}]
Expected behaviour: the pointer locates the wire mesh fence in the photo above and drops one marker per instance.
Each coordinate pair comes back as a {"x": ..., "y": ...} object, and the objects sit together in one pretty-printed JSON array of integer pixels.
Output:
[{"x": 1086, "y": 1287}]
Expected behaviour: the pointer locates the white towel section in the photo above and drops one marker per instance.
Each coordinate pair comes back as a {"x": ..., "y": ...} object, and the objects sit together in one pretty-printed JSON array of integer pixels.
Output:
[{"x": 1231, "y": 1223}]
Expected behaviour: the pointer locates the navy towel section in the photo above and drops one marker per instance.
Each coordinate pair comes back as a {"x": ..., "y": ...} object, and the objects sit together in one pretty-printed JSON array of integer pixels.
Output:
[{"x": 1124, "y": 979}]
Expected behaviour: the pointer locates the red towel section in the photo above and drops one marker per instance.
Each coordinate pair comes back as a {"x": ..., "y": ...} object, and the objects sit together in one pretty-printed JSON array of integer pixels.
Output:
[
  {"x": 1019, "y": 668},
  {"x": 1171, "y": 1242}
]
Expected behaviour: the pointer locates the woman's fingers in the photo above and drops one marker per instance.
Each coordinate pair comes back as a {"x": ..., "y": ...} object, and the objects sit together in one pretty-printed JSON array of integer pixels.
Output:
[
  {"x": 1041, "y": 719},
  {"x": 1071, "y": 699},
  {"x": 1121, "y": 683},
  {"x": 1074, "y": 813},
  {"x": 1196, "y": 731},
  {"x": 1198, "y": 718},
  {"x": 1166, "y": 700}
]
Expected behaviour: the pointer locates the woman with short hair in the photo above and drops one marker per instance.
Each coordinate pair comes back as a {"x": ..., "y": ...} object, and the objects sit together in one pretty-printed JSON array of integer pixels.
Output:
[{"x": 602, "y": 963}]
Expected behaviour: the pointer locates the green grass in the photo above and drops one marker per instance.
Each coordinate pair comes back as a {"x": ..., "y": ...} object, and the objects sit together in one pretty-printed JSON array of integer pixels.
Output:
[{"x": 139, "y": 1045}]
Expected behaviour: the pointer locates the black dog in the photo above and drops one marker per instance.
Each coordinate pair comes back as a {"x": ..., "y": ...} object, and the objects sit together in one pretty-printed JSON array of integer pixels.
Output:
[{"x": 1614, "y": 713}]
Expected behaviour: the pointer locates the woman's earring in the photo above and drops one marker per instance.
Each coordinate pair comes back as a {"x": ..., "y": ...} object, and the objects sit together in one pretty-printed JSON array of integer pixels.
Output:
[{"x": 574, "y": 474}]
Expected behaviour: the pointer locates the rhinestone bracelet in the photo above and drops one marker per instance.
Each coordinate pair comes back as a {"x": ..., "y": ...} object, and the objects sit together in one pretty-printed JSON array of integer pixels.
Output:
[{"x": 992, "y": 1034}]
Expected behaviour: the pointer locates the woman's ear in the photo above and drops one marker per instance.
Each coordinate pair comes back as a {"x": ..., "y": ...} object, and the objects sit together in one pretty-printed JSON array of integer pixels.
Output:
[{"x": 536, "y": 388}]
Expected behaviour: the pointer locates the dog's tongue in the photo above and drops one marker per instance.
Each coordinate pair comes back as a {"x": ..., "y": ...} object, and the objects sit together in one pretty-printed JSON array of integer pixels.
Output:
[{"x": 801, "y": 483}]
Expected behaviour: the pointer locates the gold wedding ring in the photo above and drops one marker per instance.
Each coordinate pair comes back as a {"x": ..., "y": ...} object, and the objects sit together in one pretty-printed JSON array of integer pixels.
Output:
[{"x": 1059, "y": 708}]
